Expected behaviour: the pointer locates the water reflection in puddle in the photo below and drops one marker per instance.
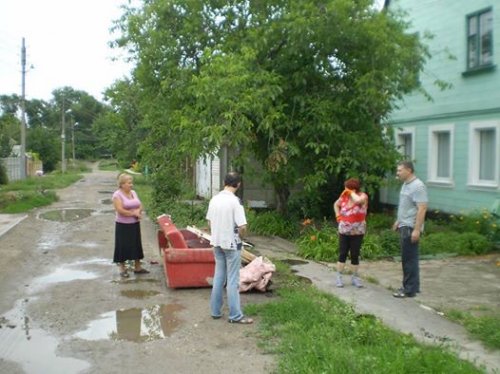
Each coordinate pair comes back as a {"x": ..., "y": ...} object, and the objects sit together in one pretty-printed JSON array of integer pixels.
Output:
[
  {"x": 135, "y": 324},
  {"x": 62, "y": 275},
  {"x": 66, "y": 215},
  {"x": 34, "y": 349},
  {"x": 93, "y": 261}
]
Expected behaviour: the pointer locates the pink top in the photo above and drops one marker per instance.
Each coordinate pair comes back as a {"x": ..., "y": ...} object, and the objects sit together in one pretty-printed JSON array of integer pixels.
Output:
[
  {"x": 352, "y": 217},
  {"x": 128, "y": 204}
]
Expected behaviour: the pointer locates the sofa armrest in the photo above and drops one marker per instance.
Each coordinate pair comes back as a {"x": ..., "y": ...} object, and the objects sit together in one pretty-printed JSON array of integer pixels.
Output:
[{"x": 190, "y": 255}]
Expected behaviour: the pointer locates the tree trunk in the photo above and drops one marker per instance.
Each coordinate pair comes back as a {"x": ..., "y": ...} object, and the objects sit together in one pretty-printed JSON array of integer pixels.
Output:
[{"x": 282, "y": 195}]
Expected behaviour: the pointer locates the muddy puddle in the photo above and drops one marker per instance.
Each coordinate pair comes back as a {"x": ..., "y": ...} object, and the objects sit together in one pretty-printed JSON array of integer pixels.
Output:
[
  {"x": 66, "y": 215},
  {"x": 30, "y": 347},
  {"x": 135, "y": 324},
  {"x": 60, "y": 275},
  {"x": 139, "y": 294},
  {"x": 135, "y": 280}
]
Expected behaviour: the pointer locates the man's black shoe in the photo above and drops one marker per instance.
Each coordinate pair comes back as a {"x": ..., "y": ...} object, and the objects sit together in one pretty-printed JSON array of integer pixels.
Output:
[{"x": 402, "y": 295}]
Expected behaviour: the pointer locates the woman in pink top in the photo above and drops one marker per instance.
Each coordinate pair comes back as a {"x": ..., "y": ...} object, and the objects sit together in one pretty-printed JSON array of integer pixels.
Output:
[
  {"x": 350, "y": 211},
  {"x": 128, "y": 244}
]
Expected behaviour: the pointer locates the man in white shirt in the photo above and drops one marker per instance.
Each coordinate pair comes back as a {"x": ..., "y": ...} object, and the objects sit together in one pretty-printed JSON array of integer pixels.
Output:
[{"x": 227, "y": 221}]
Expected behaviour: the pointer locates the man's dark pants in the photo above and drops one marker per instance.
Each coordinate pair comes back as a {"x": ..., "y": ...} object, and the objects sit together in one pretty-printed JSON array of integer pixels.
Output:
[{"x": 409, "y": 259}]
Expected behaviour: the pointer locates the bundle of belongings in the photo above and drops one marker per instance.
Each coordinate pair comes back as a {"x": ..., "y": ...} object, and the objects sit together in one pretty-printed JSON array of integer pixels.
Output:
[
  {"x": 256, "y": 274},
  {"x": 258, "y": 270}
]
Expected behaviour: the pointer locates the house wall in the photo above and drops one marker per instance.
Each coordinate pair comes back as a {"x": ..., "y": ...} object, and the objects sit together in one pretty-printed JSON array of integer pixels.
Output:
[
  {"x": 208, "y": 176},
  {"x": 210, "y": 172},
  {"x": 13, "y": 167},
  {"x": 473, "y": 98}
]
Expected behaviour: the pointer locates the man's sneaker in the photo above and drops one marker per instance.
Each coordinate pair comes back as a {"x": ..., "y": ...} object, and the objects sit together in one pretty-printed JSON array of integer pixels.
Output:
[
  {"x": 356, "y": 282},
  {"x": 339, "y": 282},
  {"x": 402, "y": 295}
]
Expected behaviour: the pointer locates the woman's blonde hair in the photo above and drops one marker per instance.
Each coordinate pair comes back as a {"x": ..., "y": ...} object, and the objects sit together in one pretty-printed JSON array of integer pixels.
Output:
[{"x": 123, "y": 177}]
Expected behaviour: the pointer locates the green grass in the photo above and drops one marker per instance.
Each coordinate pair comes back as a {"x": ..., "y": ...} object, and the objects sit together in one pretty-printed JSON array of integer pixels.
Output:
[
  {"x": 109, "y": 165},
  {"x": 310, "y": 331},
  {"x": 485, "y": 328},
  {"x": 22, "y": 196},
  {"x": 142, "y": 185}
]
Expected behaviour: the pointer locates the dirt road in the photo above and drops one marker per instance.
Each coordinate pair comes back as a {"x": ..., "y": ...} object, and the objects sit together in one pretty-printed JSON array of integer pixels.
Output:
[{"x": 64, "y": 309}]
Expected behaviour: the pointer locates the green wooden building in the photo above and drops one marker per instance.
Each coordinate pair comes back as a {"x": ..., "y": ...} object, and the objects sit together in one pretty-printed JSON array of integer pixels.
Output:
[{"x": 454, "y": 138}]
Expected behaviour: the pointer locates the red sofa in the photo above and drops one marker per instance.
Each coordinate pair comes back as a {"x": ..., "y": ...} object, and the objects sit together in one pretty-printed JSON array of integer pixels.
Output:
[{"x": 188, "y": 260}]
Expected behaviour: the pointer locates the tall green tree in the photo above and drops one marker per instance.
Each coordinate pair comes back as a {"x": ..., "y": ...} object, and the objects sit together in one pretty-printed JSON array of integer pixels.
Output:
[
  {"x": 303, "y": 86},
  {"x": 119, "y": 130},
  {"x": 10, "y": 125}
]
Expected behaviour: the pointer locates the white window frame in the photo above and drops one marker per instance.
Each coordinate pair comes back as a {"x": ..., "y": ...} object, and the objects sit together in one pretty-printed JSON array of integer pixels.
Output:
[
  {"x": 432, "y": 176},
  {"x": 474, "y": 140},
  {"x": 405, "y": 131}
]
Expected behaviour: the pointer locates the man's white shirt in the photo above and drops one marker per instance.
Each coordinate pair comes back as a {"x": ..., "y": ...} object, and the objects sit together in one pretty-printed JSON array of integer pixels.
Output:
[{"x": 225, "y": 214}]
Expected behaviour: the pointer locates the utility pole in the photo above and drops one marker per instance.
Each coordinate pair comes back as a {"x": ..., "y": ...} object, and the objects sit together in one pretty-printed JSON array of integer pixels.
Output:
[
  {"x": 73, "y": 140},
  {"x": 63, "y": 138},
  {"x": 23, "y": 112}
]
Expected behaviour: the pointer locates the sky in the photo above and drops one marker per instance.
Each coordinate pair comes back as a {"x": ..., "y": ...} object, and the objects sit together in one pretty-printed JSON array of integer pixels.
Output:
[{"x": 66, "y": 45}]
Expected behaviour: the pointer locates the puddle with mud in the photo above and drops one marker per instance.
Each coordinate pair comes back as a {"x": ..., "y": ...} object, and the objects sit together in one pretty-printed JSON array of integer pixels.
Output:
[
  {"x": 139, "y": 294},
  {"x": 32, "y": 348},
  {"x": 303, "y": 280},
  {"x": 135, "y": 280},
  {"x": 93, "y": 261},
  {"x": 62, "y": 275},
  {"x": 135, "y": 324},
  {"x": 66, "y": 215}
]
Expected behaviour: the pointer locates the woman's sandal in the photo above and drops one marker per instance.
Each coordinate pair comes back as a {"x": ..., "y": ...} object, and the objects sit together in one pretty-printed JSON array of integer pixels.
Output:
[
  {"x": 124, "y": 274},
  {"x": 243, "y": 321},
  {"x": 141, "y": 271}
]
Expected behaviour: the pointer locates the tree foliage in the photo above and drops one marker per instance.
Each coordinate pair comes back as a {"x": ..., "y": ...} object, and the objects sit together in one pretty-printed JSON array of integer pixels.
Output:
[
  {"x": 302, "y": 86},
  {"x": 44, "y": 125}
]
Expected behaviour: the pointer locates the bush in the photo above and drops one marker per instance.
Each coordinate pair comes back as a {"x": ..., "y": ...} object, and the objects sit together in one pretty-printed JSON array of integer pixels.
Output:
[
  {"x": 371, "y": 248},
  {"x": 469, "y": 243},
  {"x": 466, "y": 243},
  {"x": 304, "y": 205},
  {"x": 320, "y": 245},
  {"x": 270, "y": 223},
  {"x": 389, "y": 242},
  {"x": 3, "y": 174},
  {"x": 183, "y": 213},
  {"x": 481, "y": 222},
  {"x": 379, "y": 221}
]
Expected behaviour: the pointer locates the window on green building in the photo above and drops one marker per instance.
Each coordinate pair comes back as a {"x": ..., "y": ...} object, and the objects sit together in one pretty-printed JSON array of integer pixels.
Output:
[
  {"x": 441, "y": 138},
  {"x": 480, "y": 39},
  {"x": 443, "y": 155},
  {"x": 487, "y": 154},
  {"x": 405, "y": 138},
  {"x": 484, "y": 164}
]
